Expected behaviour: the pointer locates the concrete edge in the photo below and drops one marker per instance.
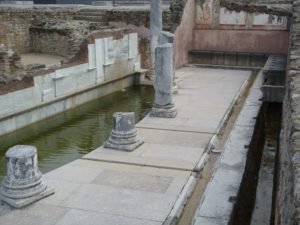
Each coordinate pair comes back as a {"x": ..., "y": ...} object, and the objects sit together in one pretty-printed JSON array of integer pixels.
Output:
[{"x": 181, "y": 201}]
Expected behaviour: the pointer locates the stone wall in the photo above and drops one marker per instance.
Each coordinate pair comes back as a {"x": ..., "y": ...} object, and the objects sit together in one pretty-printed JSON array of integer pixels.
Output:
[
  {"x": 250, "y": 41},
  {"x": 60, "y": 37},
  {"x": 220, "y": 28},
  {"x": 288, "y": 195},
  {"x": 15, "y": 23},
  {"x": 184, "y": 33},
  {"x": 10, "y": 63}
]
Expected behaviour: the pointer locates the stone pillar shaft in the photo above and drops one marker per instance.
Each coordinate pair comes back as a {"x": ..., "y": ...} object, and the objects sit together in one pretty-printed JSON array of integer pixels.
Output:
[
  {"x": 164, "y": 106},
  {"x": 155, "y": 28}
]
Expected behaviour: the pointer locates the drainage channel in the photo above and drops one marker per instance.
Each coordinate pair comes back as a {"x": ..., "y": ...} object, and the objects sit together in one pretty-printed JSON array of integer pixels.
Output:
[
  {"x": 264, "y": 201},
  {"x": 74, "y": 133},
  {"x": 255, "y": 201}
]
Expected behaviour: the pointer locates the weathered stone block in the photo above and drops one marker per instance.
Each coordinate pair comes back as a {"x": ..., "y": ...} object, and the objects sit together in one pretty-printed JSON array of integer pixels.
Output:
[
  {"x": 124, "y": 135},
  {"x": 23, "y": 184}
]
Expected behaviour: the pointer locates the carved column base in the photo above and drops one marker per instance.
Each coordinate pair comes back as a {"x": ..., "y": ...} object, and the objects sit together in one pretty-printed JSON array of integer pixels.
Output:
[
  {"x": 124, "y": 135},
  {"x": 23, "y": 184},
  {"x": 10, "y": 196},
  {"x": 123, "y": 141},
  {"x": 166, "y": 111}
]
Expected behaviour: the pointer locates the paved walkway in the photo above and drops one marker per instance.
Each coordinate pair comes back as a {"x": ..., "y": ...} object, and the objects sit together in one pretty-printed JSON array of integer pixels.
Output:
[{"x": 147, "y": 186}]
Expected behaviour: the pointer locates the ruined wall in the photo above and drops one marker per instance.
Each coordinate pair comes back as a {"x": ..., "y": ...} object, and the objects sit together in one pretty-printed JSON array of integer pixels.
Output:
[
  {"x": 288, "y": 197},
  {"x": 15, "y": 23},
  {"x": 10, "y": 63},
  {"x": 184, "y": 33},
  {"x": 60, "y": 37},
  {"x": 221, "y": 29},
  {"x": 252, "y": 41}
]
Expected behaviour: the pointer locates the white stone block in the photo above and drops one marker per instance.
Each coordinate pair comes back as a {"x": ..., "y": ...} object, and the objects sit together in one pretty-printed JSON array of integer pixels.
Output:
[
  {"x": 65, "y": 86},
  {"x": 48, "y": 94},
  {"x": 70, "y": 71},
  {"x": 25, "y": 99},
  {"x": 65, "y": 79},
  {"x": 7, "y": 125},
  {"x": 7, "y": 103},
  {"x": 108, "y": 51},
  {"x": 100, "y": 58},
  {"x": 92, "y": 56},
  {"x": 48, "y": 81},
  {"x": 121, "y": 48},
  {"x": 85, "y": 80},
  {"x": 133, "y": 45}
]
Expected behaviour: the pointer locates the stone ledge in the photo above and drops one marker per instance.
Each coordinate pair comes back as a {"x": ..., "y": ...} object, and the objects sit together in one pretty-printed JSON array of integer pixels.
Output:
[{"x": 218, "y": 201}]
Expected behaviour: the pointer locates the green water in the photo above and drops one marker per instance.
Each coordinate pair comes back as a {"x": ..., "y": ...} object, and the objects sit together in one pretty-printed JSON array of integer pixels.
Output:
[{"x": 72, "y": 134}]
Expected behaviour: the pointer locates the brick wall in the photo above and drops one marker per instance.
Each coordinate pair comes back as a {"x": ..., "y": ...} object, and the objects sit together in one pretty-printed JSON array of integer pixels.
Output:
[{"x": 15, "y": 24}]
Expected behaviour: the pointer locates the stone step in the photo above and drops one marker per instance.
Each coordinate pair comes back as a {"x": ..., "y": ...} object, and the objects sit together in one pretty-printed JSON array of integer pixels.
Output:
[
  {"x": 227, "y": 58},
  {"x": 90, "y": 18}
]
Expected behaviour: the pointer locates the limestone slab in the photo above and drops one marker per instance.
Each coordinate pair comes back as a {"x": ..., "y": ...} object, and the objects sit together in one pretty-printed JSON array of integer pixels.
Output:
[
  {"x": 205, "y": 96},
  {"x": 99, "y": 51},
  {"x": 133, "y": 45},
  {"x": 66, "y": 173},
  {"x": 120, "y": 201},
  {"x": 119, "y": 198},
  {"x": 133, "y": 181},
  {"x": 7, "y": 104},
  {"x": 34, "y": 214},
  {"x": 157, "y": 155},
  {"x": 92, "y": 56},
  {"x": 177, "y": 138},
  {"x": 80, "y": 217}
]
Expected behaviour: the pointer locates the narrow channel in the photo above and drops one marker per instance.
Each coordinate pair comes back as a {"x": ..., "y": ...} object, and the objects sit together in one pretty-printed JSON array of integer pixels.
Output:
[
  {"x": 262, "y": 212},
  {"x": 74, "y": 133}
]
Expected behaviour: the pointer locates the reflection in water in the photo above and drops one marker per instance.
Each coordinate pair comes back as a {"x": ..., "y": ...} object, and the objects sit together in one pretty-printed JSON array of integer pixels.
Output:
[{"x": 71, "y": 134}]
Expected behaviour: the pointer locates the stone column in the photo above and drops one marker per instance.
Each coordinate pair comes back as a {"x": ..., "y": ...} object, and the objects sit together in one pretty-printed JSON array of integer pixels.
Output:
[
  {"x": 163, "y": 105},
  {"x": 23, "y": 184},
  {"x": 124, "y": 135},
  {"x": 155, "y": 28},
  {"x": 167, "y": 37}
]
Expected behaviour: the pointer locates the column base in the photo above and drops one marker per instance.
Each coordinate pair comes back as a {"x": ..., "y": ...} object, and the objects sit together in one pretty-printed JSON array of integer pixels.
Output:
[
  {"x": 20, "y": 203},
  {"x": 168, "y": 111},
  {"x": 123, "y": 147}
]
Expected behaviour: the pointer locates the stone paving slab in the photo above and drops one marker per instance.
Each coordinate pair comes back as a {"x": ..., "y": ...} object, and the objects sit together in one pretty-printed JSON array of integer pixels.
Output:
[
  {"x": 204, "y": 97},
  {"x": 117, "y": 194},
  {"x": 154, "y": 155},
  {"x": 177, "y": 138}
]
